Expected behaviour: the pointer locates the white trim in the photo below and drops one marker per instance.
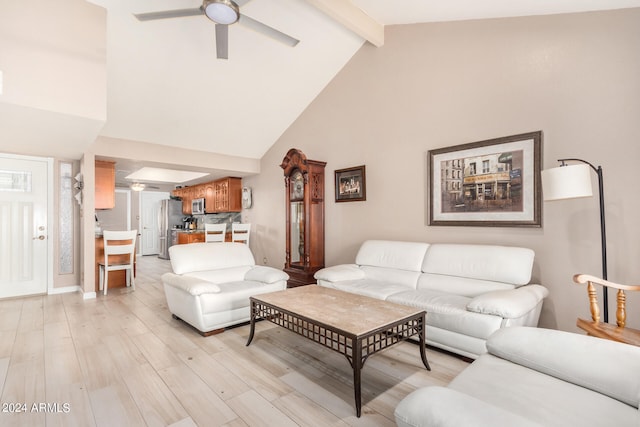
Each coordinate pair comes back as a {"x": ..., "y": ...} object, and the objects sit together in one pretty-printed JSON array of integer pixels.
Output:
[
  {"x": 50, "y": 228},
  {"x": 89, "y": 295},
  {"x": 65, "y": 290}
]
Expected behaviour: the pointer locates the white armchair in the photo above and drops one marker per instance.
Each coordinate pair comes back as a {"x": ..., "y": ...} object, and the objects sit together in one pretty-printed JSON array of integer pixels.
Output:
[{"x": 211, "y": 284}]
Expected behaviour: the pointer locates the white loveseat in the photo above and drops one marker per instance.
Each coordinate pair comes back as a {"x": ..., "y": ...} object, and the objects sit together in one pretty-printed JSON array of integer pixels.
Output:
[
  {"x": 468, "y": 291},
  {"x": 535, "y": 377},
  {"x": 211, "y": 284}
]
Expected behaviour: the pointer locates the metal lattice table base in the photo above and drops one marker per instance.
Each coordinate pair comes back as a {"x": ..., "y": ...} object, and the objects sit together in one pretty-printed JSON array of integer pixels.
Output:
[{"x": 355, "y": 347}]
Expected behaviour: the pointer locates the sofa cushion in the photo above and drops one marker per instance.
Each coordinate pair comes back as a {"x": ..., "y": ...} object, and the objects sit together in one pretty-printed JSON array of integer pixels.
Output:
[
  {"x": 340, "y": 272},
  {"x": 235, "y": 295},
  {"x": 541, "y": 398},
  {"x": 392, "y": 254},
  {"x": 222, "y": 275},
  {"x": 509, "y": 304},
  {"x": 370, "y": 288},
  {"x": 460, "y": 285},
  {"x": 209, "y": 256},
  {"x": 266, "y": 274},
  {"x": 604, "y": 366},
  {"x": 484, "y": 262},
  {"x": 405, "y": 278},
  {"x": 448, "y": 311},
  {"x": 192, "y": 285},
  {"x": 444, "y": 407}
]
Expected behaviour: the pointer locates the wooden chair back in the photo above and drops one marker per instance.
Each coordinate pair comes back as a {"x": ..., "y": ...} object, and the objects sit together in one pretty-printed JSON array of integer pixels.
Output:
[
  {"x": 595, "y": 327},
  {"x": 240, "y": 232},
  {"x": 215, "y": 232}
]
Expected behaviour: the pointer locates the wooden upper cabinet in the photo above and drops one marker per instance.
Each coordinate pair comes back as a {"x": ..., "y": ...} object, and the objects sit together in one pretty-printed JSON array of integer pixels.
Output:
[
  {"x": 198, "y": 191},
  {"x": 187, "y": 196},
  {"x": 222, "y": 195},
  {"x": 105, "y": 173},
  {"x": 209, "y": 196},
  {"x": 228, "y": 195}
]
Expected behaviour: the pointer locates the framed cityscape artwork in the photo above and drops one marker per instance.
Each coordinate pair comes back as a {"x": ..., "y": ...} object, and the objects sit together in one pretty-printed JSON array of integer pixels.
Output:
[{"x": 494, "y": 183}]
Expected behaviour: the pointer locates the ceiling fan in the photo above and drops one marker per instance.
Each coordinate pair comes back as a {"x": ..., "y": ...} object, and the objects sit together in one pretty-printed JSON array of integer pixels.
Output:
[{"x": 223, "y": 13}]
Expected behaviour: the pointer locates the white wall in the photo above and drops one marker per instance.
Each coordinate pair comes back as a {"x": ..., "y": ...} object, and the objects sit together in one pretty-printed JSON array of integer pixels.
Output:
[
  {"x": 53, "y": 58},
  {"x": 575, "y": 77}
]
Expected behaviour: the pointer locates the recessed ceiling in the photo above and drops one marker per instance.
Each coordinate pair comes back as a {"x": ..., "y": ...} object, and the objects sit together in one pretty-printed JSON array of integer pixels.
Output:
[{"x": 150, "y": 174}]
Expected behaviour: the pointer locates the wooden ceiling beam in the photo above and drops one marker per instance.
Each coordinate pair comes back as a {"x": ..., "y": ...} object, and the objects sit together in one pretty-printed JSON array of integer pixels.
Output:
[{"x": 353, "y": 18}]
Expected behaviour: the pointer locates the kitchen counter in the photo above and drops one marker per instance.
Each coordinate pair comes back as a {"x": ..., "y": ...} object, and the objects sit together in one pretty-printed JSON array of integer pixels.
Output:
[{"x": 190, "y": 236}]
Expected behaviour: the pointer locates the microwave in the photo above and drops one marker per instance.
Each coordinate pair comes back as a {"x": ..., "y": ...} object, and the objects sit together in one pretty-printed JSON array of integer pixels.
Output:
[{"x": 197, "y": 206}]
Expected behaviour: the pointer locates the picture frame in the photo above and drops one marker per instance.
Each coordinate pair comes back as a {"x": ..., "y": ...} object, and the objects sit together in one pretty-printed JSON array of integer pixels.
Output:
[
  {"x": 491, "y": 183},
  {"x": 351, "y": 184}
]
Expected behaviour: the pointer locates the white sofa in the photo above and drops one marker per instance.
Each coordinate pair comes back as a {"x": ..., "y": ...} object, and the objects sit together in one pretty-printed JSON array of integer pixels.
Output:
[
  {"x": 211, "y": 284},
  {"x": 535, "y": 377},
  {"x": 468, "y": 291}
]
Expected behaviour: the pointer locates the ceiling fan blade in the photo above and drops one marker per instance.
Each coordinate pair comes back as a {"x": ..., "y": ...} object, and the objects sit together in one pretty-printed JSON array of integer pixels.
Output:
[
  {"x": 267, "y": 31},
  {"x": 165, "y": 14},
  {"x": 222, "y": 41}
]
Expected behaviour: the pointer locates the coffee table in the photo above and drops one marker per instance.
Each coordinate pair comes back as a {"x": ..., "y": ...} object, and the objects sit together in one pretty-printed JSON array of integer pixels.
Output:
[{"x": 353, "y": 325}]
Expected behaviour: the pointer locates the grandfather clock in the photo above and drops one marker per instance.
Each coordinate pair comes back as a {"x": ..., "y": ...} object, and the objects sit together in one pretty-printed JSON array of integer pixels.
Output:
[{"x": 304, "y": 189}]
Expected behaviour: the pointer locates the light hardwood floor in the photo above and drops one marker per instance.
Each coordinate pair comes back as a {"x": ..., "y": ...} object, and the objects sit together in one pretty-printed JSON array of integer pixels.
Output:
[{"x": 122, "y": 360}]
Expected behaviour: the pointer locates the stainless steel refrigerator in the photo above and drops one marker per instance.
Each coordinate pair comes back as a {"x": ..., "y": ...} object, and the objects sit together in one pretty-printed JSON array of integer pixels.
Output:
[{"x": 169, "y": 216}]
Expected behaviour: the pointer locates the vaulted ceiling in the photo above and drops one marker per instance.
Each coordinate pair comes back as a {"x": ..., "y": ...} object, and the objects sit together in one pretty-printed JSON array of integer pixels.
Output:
[{"x": 165, "y": 85}]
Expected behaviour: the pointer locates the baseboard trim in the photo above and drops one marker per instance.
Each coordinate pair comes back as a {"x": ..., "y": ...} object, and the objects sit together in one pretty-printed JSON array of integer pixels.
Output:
[
  {"x": 89, "y": 295},
  {"x": 64, "y": 290}
]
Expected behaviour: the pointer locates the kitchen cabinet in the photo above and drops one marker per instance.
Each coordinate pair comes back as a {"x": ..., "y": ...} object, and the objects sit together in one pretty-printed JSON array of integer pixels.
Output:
[
  {"x": 228, "y": 195},
  {"x": 222, "y": 195},
  {"x": 185, "y": 194},
  {"x": 105, "y": 173},
  {"x": 185, "y": 237},
  {"x": 190, "y": 237},
  {"x": 209, "y": 196}
]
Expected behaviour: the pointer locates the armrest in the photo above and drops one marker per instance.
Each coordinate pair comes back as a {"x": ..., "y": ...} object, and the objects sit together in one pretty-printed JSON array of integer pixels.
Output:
[
  {"x": 444, "y": 407},
  {"x": 509, "y": 304},
  {"x": 265, "y": 274},
  {"x": 604, "y": 366},
  {"x": 338, "y": 273},
  {"x": 192, "y": 285}
]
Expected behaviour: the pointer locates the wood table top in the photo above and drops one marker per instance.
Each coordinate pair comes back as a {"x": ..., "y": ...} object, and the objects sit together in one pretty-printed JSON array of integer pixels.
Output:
[{"x": 352, "y": 313}]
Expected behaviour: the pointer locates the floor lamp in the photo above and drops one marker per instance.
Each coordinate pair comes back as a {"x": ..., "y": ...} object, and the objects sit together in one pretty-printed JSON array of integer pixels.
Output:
[{"x": 572, "y": 181}]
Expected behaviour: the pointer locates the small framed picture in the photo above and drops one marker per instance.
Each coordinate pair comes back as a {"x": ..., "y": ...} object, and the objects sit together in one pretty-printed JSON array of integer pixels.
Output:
[{"x": 351, "y": 184}]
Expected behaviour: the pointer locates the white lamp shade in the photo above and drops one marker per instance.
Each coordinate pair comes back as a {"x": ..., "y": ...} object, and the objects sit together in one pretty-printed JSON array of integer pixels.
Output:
[{"x": 567, "y": 182}]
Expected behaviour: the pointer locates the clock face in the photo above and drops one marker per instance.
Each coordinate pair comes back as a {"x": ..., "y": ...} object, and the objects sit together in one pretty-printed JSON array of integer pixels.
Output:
[{"x": 297, "y": 185}]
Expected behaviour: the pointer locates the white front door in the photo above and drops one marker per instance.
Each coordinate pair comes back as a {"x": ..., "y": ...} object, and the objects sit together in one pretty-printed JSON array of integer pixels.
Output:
[
  {"x": 24, "y": 229},
  {"x": 150, "y": 209}
]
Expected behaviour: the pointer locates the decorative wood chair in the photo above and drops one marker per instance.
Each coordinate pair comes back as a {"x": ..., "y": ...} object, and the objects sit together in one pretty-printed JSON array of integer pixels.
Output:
[
  {"x": 240, "y": 232},
  {"x": 599, "y": 329},
  {"x": 119, "y": 251},
  {"x": 215, "y": 232}
]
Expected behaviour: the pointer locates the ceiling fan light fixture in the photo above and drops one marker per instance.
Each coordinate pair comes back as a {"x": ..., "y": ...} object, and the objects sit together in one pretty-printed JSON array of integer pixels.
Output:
[
  {"x": 137, "y": 186},
  {"x": 224, "y": 12}
]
